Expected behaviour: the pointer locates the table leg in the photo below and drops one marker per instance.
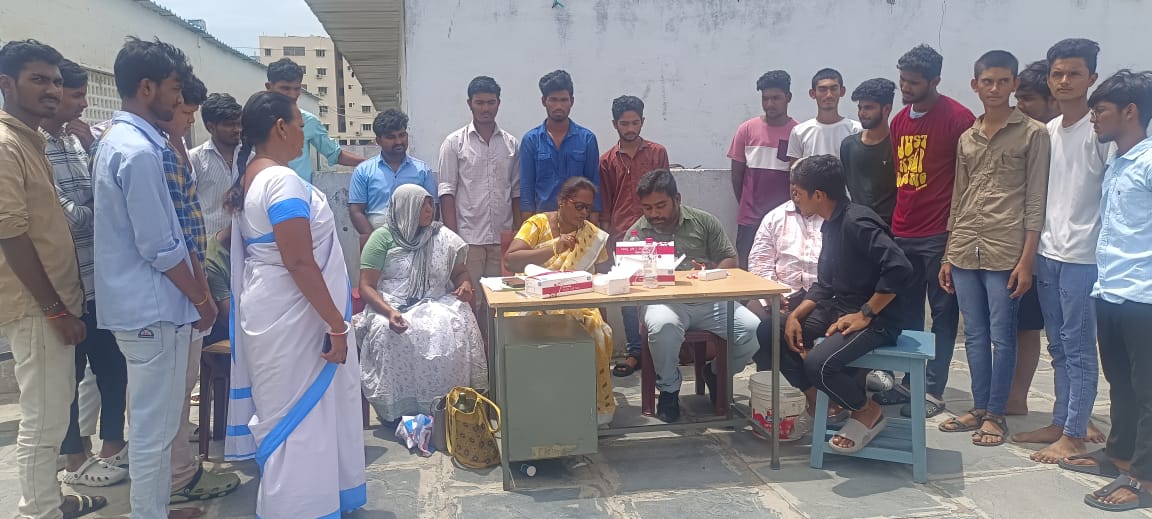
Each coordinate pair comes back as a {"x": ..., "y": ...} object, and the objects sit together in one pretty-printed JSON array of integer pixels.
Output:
[
  {"x": 775, "y": 313},
  {"x": 732, "y": 369}
]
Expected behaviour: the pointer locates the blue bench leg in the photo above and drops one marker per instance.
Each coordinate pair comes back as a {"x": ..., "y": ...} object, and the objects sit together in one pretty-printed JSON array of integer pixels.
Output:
[
  {"x": 919, "y": 443},
  {"x": 819, "y": 429}
]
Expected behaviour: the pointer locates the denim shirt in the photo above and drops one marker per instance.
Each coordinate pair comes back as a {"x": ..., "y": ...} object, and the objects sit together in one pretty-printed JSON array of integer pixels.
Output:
[
  {"x": 1123, "y": 253},
  {"x": 544, "y": 167},
  {"x": 137, "y": 233}
]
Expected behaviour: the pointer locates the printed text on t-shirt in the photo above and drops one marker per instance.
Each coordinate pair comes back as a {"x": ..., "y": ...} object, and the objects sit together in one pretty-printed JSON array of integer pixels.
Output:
[{"x": 910, "y": 168}]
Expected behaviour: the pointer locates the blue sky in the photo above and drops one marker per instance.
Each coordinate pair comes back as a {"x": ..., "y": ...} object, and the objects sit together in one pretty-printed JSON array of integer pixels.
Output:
[{"x": 240, "y": 23}]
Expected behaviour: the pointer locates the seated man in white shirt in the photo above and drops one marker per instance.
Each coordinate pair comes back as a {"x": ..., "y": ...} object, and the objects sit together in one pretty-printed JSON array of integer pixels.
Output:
[{"x": 786, "y": 250}]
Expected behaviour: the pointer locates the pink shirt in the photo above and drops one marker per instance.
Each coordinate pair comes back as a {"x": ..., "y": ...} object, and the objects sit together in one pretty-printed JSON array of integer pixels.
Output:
[
  {"x": 764, "y": 149},
  {"x": 787, "y": 247}
]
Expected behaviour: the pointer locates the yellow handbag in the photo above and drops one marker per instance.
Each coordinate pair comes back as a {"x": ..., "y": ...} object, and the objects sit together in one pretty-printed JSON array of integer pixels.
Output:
[{"x": 469, "y": 430}]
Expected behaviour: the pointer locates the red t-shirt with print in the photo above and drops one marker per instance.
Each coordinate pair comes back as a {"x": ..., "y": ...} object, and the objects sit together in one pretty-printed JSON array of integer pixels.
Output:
[{"x": 925, "y": 153}]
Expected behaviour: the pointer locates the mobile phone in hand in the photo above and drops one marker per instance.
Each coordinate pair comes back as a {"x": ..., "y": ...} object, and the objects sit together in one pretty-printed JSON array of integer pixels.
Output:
[{"x": 327, "y": 343}]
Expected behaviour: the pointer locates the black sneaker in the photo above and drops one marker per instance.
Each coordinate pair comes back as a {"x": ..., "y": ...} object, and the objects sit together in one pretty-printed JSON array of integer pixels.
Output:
[
  {"x": 668, "y": 406},
  {"x": 710, "y": 381}
]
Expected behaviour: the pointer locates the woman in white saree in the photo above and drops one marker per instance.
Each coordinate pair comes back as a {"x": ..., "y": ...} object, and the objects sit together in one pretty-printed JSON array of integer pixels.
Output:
[{"x": 295, "y": 398}]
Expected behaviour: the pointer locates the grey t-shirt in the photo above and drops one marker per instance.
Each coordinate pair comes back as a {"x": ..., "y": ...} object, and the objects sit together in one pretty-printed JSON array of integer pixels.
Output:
[{"x": 870, "y": 174}]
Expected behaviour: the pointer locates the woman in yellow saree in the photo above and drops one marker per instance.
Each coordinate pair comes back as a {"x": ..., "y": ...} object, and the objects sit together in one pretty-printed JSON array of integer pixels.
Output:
[{"x": 565, "y": 240}]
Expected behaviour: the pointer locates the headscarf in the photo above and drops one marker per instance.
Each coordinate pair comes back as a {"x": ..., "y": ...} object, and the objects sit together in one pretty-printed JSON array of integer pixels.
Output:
[{"x": 404, "y": 225}]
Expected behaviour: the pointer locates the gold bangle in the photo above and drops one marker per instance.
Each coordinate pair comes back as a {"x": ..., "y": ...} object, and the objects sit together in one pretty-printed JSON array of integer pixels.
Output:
[{"x": 201, "y": 303}]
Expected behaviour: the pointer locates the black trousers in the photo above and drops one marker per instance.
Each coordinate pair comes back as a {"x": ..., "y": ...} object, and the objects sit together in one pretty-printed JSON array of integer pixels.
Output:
[
  {"x": 826, "y": 365},
  {"x": 1124, "y": 332},
  {"x": 745, "y": 237},
  {"x": 100, "y": 350}
]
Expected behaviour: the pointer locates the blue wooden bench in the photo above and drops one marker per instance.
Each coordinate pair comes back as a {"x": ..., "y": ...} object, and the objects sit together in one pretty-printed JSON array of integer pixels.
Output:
[{"x": 903, "y": 440}]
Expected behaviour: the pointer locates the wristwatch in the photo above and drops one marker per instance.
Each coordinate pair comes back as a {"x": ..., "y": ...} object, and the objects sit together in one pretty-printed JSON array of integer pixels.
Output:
[{"x": 867, "y": 311}]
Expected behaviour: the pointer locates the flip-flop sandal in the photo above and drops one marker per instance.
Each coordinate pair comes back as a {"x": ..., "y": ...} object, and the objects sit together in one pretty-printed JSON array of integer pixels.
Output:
[
  {"x": 980, "y": 432},
  {"x": 622, "y": 369},
  {"x": 1103, "y": 467},
  {"x": 893, "y": 396},
  {"x": 858, "y": 433},
  {"x": 1123, "y": 481},
  {"x": 205, "y": 485},
  {"x": 955, "y": 425},
  {"x": 95, "y": 473},
  {"x": 85, "y": 505}
]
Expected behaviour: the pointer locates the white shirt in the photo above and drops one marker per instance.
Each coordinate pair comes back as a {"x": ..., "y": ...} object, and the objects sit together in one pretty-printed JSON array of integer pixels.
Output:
[
  {"x": 813, "y": 137},
  {"x": 1072, "y": 215},
  {"x": 213, "y": 179},
  {"x": 483, "y": 177},
  {"x": 787, "y": 247}
]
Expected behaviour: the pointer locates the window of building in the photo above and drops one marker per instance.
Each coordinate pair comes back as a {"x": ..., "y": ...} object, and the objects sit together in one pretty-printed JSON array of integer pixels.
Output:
[
  {"x": 321, "y": 90},
  {"x": 351, "y": 105},
  {"x": 323, "y": 110},
  {"x": 267, "y": 52},
  {"x": 320, "y": 53},
  {"x": 363, "y": 90},
  {"x": 103, "y": 100},
  {"x": 325, "y": 127},
  {"x": 321, "y": 71},
  {"x": 349, "y": 86},
  {"x": 366, "y": 109},
  {"x": 353, "y": 72},
  {"x": 366, "y": 127},
  {"x": 293, "y": 51}
]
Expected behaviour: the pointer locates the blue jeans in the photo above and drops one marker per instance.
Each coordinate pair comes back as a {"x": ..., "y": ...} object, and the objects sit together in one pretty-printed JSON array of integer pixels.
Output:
[
  {"x": 989, "y": 334},
  {"x": 157, "y": 359},
  {"x": 925, "y": 255},
  {"x": 631, "y": 316},
  {"x": 1070, "y": 323},
  {"x": 666, "y": 327}
]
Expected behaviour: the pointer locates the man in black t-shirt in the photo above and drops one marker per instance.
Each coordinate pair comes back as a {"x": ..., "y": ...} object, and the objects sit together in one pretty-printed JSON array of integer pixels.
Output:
[{"x": 867, "y": 156}]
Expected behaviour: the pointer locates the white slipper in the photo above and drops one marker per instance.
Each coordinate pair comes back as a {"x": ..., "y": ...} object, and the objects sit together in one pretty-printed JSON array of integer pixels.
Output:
[
  {"x": 120, "y": 459},
  {"x": 95, "y": 473},
  {"x": 859, "y": 433}
]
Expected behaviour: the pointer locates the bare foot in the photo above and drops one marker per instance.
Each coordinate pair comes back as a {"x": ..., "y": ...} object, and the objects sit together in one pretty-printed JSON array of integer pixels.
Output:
[
  {"x": 185, "y": 513},
  {"x": 1060, "y": 449},
  {"x": 1095, "y": 435},
  {"x": 1047, "y": 434}
]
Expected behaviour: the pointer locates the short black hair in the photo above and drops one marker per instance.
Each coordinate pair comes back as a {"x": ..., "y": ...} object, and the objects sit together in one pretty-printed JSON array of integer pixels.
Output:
[
  {"x": 821, "y": 173},
  {"x": 1124, "y": 88},
  {"x": 139, "y": 60},
  {"x": 775, "y": 79},
  {"x": 996, "y": 59},
  {"x": 556, "y": 81},
  {"x": 193, "y": 90},
  {"x": 220, "y": 108},
  {"x": 878, "y": 90},
  {"x": 483, "y": 85},
  {"x": 389, "y": 121},
  {"x": 657, "y": 180},
  {"x": 623, "y": 104},
  {"x": 575, "y": 185},
  {"x": 74, "y": 75},
  {"x": 1034, "y": 78},
  {"x": 18, "y": 53},
  {"x": 827, "y": 73},
  {"x": 285, "y": 69},
  {"x": 1082, "y": 48},
  {"x": 923, "y": 60}
]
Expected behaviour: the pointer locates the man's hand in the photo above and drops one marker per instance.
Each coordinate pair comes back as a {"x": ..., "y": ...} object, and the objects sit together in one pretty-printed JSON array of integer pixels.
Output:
[
  {"x": 397, "y": 323},
  {"x": 794, "y": 335},
  {"x": 339, "y": 352},
  {"x": 70, "y": 330},
  {"x": 82, "y": 132},
  {"x": 464, "y": 292},
  {"x": 208, "y": 314},
  {"x": 1021, "y": 279},
  {"x": 945, "y": 278},
  {"x": 849, "y": 324}
]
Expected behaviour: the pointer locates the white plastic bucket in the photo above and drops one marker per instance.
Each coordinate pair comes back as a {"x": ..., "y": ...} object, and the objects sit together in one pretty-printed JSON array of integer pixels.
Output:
[{"x": 792, "y": 403}]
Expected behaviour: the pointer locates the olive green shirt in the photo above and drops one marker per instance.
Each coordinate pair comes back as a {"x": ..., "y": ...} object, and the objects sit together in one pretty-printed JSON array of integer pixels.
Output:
[
  {"x": 218, "y": 269},
  {"x": 699, "y": 236}
]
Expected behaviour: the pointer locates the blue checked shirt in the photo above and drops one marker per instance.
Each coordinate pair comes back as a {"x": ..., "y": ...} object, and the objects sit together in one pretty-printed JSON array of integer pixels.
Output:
[{"x": 183, "y": 191}]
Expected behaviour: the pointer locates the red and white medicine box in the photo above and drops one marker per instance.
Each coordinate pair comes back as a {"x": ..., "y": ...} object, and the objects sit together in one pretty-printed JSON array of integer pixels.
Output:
[
  {"x": 633, "y": 252},
  {"x": 556, "y": 284}
]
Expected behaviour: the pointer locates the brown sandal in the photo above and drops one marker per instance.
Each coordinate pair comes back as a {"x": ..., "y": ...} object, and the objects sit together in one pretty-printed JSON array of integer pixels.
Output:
[
  {"x": 84, "y": 506},
  {"x": 625, "y": 368},
  {"x": 1000, "y": 422},
  {"x": 955, "y": 425}
]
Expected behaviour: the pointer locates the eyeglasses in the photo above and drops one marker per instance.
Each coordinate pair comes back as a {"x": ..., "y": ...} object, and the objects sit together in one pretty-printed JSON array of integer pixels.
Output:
[{"x": 580, "y": 207}]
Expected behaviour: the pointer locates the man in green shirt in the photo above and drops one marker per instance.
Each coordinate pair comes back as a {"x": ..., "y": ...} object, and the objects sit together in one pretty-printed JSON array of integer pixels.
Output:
[
  {"x": 700, "y": 237},
  {"x": 218, "y": 271}
]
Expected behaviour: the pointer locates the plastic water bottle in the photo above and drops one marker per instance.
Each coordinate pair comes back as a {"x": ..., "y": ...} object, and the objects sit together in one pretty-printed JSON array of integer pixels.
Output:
[
  {"x": 650, "y": 270},
  {"x": 634, "y": 236}
]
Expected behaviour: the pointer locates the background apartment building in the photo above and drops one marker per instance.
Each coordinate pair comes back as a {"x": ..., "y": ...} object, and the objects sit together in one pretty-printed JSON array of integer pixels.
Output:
[{"x": 345, "y": 109}]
